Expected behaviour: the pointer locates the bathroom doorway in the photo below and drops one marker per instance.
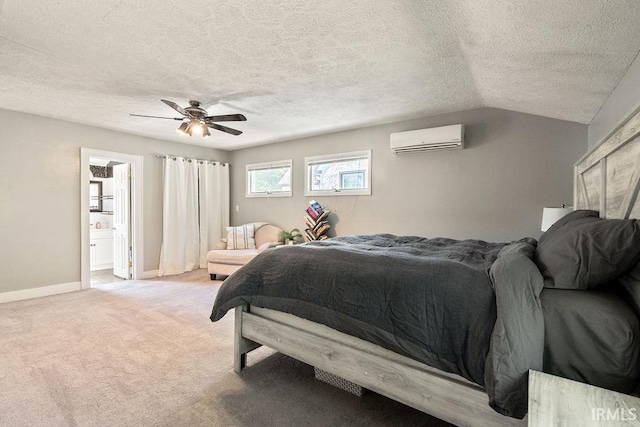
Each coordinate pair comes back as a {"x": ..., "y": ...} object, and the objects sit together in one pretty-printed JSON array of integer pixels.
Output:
[
  {"x": 111, "y": 217},
  {"x": 109, "y": 220}
]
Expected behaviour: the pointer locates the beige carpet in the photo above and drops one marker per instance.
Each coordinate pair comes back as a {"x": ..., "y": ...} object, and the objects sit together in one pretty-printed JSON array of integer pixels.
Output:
[{"x": 144, "y": 353}]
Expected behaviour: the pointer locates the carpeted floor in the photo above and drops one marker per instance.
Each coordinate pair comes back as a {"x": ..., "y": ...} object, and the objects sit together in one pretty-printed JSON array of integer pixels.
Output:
[{"x": 144, "y": 353}]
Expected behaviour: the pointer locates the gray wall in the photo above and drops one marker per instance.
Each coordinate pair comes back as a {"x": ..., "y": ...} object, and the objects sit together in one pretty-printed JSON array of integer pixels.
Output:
[
  {"x": 40, "y": 195},
  {"x": 622, "y": 102},
  {"x": 495, "y": 189}
]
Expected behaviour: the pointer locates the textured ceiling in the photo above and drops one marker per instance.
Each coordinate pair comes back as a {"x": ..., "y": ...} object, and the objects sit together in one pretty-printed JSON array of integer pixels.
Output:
[{"x": 298, "y": 68}]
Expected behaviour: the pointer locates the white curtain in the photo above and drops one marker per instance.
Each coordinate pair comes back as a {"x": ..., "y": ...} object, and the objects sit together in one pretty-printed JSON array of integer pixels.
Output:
[
  {"x": 195, "y": 212},
  {"x": 180, "y": 232},
  {"x": 214, "y": 205}
]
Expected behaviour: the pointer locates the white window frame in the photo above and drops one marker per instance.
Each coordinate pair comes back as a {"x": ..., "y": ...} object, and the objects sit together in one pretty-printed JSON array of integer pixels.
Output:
[
  {"x": 311, "y": 161},
  {"x": 269, "y": 165}
]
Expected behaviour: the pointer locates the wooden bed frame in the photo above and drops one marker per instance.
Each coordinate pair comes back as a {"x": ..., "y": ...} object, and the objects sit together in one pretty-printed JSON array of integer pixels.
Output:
[
  {"x": 443, "y": 395},
  {"x": 606, "y": 179}
]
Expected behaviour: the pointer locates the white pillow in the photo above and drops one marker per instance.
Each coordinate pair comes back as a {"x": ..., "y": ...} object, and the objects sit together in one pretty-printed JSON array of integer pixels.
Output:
[{"x": 241, "y": 237}]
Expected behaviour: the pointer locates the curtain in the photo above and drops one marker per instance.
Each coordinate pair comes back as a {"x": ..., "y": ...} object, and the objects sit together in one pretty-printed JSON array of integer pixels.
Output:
[
  {"x": 180, "y": 250},
  {"x": 195, "y": 212},
  {"x": 214, "y": 205}
]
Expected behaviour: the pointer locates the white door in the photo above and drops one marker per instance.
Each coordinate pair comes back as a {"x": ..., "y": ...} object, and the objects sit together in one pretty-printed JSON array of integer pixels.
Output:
[{"x": 121, "y": 209}]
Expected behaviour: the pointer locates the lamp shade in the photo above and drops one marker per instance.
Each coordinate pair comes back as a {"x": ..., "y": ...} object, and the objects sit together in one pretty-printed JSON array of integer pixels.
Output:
[
  {"x": 183, "y": 128},
  {"x": 551, "y": 215}
]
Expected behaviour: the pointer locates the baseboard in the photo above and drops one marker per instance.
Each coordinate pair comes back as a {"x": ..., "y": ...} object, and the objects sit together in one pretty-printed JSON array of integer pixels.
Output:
[
  {"x": 149, "y": 274},
  {"x": 43, "y": 291}
]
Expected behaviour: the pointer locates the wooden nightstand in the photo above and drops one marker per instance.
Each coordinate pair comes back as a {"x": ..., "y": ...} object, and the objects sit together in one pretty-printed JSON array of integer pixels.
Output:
[{"x": 556, "y": 401}]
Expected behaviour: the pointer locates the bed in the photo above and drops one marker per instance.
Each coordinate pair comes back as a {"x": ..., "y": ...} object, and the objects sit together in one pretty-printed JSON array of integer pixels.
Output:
[{"x": 467, "y": 360}]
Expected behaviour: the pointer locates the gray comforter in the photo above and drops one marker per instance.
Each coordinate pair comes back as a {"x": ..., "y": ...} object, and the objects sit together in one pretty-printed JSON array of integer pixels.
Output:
[{"x": 467, "y": 307}]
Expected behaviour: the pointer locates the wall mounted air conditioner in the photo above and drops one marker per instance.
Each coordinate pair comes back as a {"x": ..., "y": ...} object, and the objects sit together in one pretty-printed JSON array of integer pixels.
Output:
[{"x": 440, "y": 138}]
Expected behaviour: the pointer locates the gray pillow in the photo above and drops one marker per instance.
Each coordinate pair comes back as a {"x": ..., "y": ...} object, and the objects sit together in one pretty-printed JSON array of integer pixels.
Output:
[
  {"x": 588, "y": 252},
  {"x": 571, "y": 216}
]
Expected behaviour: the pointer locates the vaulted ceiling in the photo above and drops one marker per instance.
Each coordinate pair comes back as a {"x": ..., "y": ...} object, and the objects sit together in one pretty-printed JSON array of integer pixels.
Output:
[{"x": 297, "y": 68}]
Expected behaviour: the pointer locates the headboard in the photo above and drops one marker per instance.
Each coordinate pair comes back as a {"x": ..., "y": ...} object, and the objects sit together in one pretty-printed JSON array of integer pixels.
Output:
[{"x": 607, "y": 178}]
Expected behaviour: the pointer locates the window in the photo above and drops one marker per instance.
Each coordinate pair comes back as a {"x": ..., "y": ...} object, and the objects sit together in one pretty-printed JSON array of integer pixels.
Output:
[
  {"x": 271, "y": 179},
  {"x": 345, "y": 174}
]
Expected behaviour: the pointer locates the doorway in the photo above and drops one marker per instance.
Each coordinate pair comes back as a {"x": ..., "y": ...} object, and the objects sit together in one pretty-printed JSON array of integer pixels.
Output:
[
  {"x": 109, "y": 220},
  {"x": 111, "y": 216}
]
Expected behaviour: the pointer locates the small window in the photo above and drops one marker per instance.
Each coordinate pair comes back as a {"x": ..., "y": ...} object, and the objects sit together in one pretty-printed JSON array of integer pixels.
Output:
[
  {"x": 345, "y": 174},
  {"x": 271, "y": 179}
]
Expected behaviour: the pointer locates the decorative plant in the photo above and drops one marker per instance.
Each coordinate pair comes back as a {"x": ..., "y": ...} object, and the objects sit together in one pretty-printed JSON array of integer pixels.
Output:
[{"x": 294, "y": 235}]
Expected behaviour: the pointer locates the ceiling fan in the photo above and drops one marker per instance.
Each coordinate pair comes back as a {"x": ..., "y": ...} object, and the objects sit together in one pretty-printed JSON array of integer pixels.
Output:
[{"x": 196, "y": 121}]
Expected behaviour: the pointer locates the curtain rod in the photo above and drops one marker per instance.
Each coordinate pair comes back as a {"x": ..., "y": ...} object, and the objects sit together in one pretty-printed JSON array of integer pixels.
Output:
[{"x": 161, "y": 156}]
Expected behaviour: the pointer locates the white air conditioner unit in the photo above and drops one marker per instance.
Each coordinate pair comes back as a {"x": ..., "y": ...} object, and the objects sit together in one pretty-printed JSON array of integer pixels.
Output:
[{"x": 440, "y": 138}]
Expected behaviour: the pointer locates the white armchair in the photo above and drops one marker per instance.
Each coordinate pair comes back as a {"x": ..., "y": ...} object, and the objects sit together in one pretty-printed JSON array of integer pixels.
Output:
[{"x": 222, "y": 261}]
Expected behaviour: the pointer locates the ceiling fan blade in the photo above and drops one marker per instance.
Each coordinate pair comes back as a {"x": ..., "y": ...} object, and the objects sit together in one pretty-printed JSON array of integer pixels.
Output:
[
  {"x": 227, "y": 118},
  {"x": 175, "y": 106},
  {"x": 158, "y": 117},
  {"x": 224, "y": 129}
]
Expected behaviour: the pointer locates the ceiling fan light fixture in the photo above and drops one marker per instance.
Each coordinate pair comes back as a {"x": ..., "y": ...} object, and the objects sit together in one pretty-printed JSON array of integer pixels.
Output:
[
  {"x": 205, "y": 131},
  {"x": 183, "y": 128},
  {"x": 195, "y": 127}
]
